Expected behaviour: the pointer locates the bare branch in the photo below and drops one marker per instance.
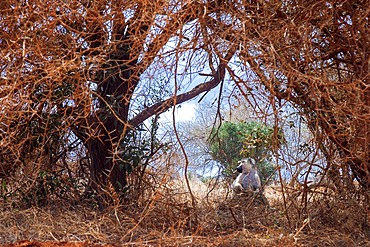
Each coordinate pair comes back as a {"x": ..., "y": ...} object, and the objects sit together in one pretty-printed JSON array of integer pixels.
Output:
[{"x": 163, "y": 106}]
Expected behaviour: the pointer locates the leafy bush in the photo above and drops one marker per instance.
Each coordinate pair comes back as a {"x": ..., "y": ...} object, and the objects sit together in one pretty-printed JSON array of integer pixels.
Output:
[{"x": 234, "y": 141}]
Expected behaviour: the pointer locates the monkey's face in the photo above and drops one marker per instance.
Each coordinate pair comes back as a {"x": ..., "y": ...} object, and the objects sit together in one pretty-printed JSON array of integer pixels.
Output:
[
  {"x": 239, "y": 168},
  {"x": 245, "y": 165}
]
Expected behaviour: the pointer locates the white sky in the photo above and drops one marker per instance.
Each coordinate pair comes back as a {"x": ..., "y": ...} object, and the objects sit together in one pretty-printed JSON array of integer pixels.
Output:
[{"x": 186, "y": 112}]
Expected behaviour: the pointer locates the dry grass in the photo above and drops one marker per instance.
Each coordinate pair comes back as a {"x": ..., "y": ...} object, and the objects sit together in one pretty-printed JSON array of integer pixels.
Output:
[{"x": 166, "y": 218}]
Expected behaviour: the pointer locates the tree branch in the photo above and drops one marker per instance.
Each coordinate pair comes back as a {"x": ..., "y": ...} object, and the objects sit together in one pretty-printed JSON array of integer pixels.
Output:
[{"x": 164, "y": 105}]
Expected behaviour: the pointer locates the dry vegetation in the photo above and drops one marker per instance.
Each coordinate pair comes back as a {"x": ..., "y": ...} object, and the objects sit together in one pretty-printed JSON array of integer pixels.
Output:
[
  {"x": 166, "y": 218},
  {"x": 79, "y": 162}
]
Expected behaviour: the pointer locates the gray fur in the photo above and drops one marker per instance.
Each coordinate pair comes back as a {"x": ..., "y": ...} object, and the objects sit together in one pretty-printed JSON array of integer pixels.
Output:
[{"x": 248, "y": 179}]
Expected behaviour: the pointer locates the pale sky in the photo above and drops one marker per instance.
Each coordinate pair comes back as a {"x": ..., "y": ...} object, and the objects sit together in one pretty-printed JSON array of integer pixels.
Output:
[{"x": 186, "y": 112}]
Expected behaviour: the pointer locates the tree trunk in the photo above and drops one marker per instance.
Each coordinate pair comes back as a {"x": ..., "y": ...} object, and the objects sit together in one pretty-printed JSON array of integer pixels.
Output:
[
  {"x": 103, "y": 169},
  {"x": 107, "y": 176}
]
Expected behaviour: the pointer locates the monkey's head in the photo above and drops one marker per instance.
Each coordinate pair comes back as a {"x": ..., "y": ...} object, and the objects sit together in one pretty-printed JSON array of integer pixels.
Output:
[{"x": 246, "y": 165}]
